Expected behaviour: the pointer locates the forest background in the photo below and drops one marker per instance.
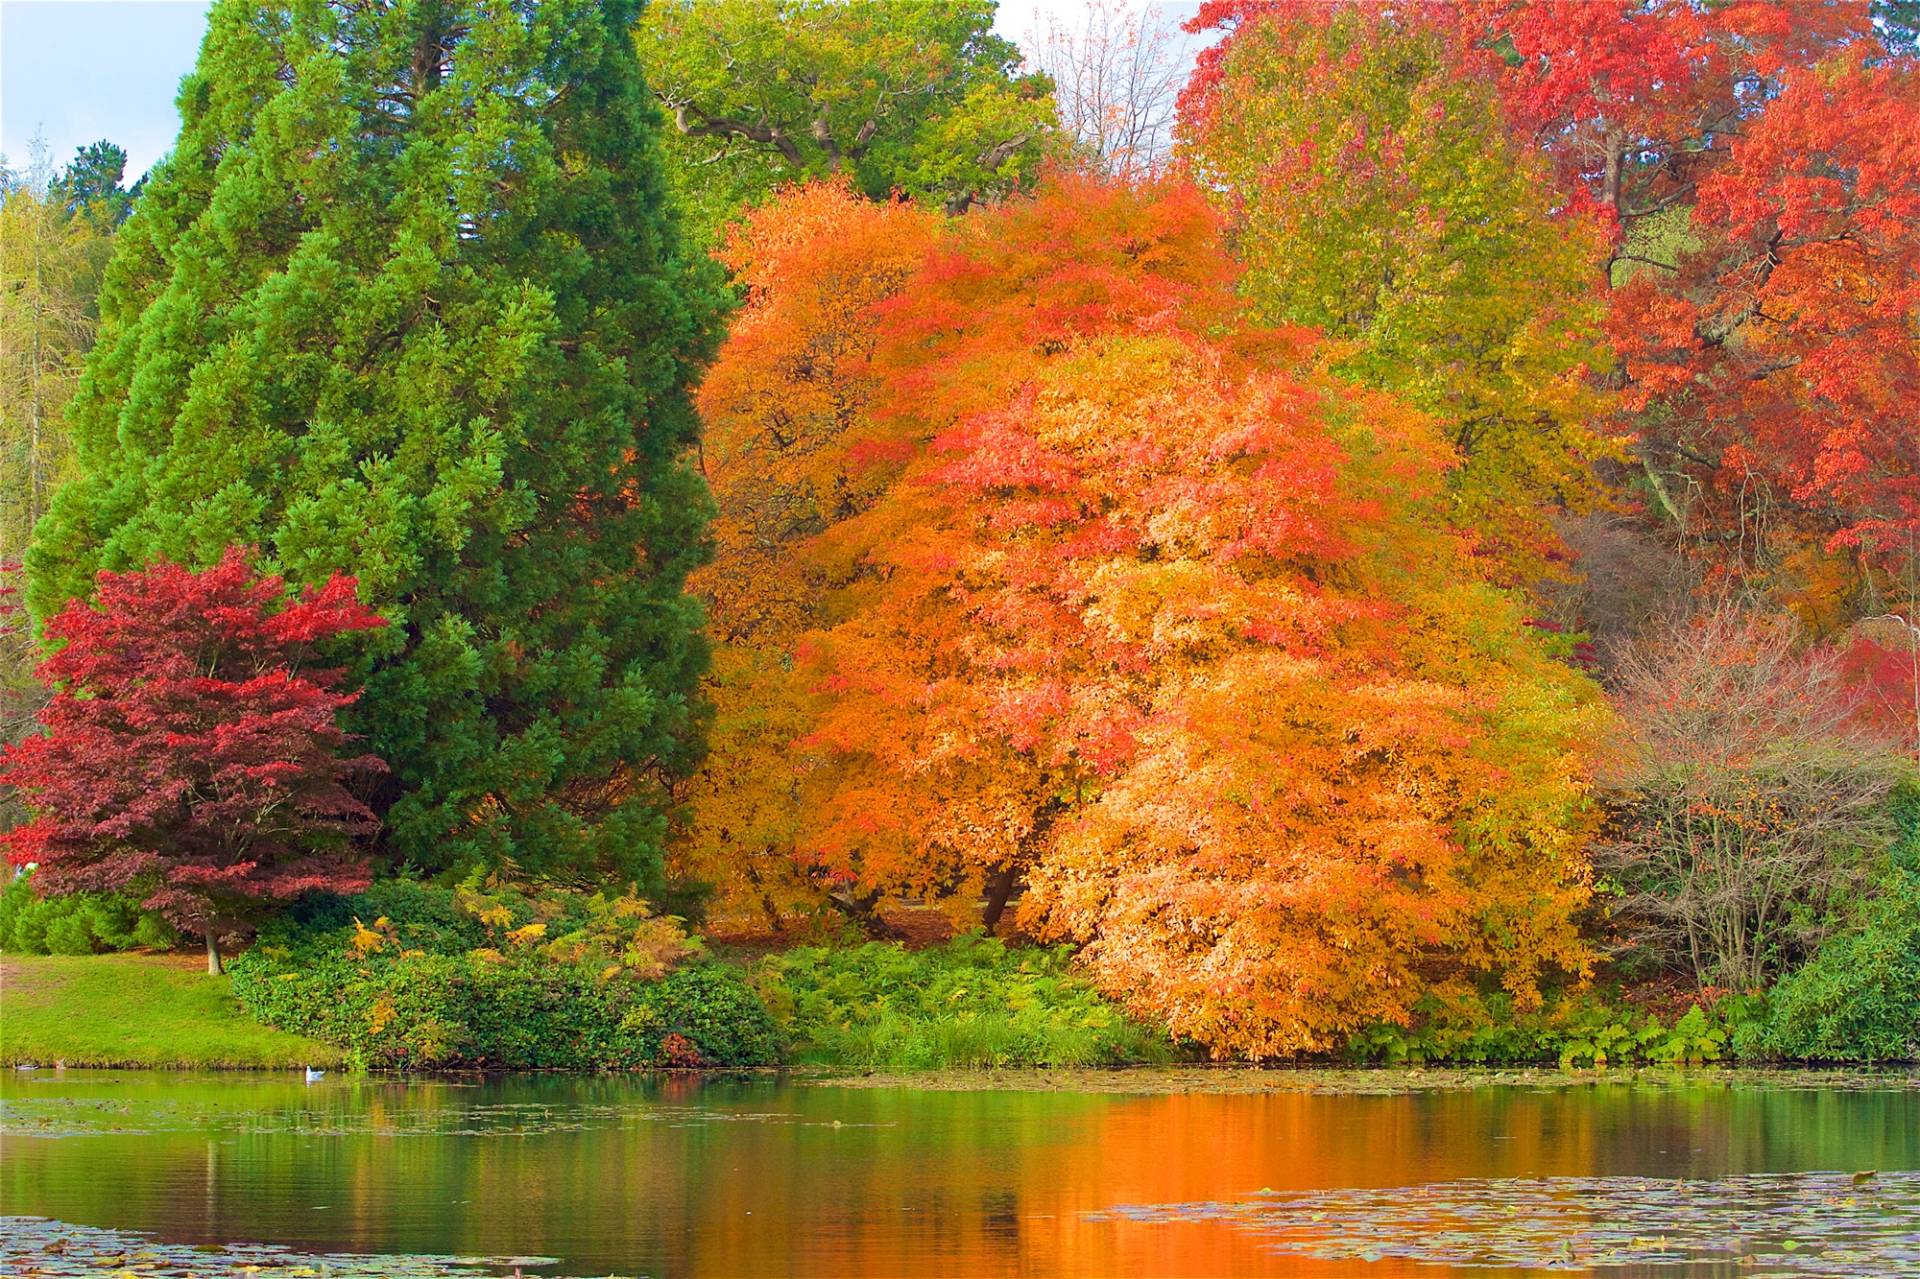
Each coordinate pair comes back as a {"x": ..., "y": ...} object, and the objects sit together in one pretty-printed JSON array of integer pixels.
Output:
[{"x": 1400, "y": 539}]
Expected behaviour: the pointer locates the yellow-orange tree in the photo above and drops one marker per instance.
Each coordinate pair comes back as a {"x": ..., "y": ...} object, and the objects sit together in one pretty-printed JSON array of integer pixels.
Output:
[
  {"x": 1164, "y": 621},
  {"x": 1372, "y": 189},
  {"x": 788, "y": 450}
]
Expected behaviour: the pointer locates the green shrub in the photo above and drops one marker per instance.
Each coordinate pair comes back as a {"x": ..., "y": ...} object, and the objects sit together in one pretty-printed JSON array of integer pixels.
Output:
[
  {"x": 426, "y": 916},
  {"x": 80, "y": 924},
  {"x": 416, "y": 976},
  {"x": 1858, "y": 999},
  {"x": 971, "y": 1003},
  {"x": 1574, "y": 1029}
]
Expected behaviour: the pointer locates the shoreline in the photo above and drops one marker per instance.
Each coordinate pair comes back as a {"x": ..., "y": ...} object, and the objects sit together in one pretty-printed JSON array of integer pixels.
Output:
[
  {"x": 163, "y": 1013},
  {"x": 1145, "y": 1080}
]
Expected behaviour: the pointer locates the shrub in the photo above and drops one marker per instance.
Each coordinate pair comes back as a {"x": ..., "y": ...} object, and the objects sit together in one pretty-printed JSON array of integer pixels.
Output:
[
  {"x": 79, "y": 924},
  {"x": 193, "y": 751},
  {"x": 1858, "y": 999},
  {"x": 422, "y": 916},
  {"x": 1573, "y": 1029},
  {"x": 489, "y": 975},
  {"x": 1749, "y": 797},
  {"x": 971, "y": 1003}
]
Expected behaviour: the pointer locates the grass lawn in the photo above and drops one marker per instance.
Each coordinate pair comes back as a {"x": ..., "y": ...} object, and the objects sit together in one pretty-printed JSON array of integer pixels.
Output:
[{"x": 134, "y": 1010}]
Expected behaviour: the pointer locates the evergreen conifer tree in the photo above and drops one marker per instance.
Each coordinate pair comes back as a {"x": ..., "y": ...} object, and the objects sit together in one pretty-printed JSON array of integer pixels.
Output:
[{"x": 406, "y": 302}]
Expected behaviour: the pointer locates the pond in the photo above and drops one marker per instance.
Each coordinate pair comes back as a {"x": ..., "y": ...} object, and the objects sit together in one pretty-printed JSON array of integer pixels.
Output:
[{"x": 1160, "y": 1173}]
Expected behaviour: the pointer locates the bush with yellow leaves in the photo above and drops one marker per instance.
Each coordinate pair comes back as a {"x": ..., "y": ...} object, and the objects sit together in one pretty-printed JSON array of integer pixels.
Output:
[{"x": 417, "y": 976}]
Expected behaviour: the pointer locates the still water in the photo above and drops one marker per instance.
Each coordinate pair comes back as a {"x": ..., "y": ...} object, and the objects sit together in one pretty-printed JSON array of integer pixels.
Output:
[{"x": 1371, "y": 1175}]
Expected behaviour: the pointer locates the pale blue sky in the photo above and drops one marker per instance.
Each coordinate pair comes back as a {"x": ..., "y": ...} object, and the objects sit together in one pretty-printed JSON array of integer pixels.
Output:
[{"x": 81, "y": 70}]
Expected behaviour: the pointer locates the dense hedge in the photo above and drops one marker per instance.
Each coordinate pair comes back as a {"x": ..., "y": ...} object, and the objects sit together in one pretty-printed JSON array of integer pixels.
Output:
[
  {"x": 973, "y": 1002},
  {"x": 456, "y": 978},
  {"x": 81, "y": 924},
  {"x": 1859, "y": 998}
]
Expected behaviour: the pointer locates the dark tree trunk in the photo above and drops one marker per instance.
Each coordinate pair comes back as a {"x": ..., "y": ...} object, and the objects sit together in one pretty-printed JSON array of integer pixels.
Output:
[
  {"x": 860, "y": 909},
  {"x": 1000, "y": 888}
]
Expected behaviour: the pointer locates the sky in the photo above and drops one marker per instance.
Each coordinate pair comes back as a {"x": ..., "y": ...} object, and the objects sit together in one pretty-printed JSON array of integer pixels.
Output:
[
  {"x": 75, "y": 71},
  {"x": 81, "y": 70}
]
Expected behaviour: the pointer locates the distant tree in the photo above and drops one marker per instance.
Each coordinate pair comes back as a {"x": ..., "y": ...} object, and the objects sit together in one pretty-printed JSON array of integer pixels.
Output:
[
  {"x": 1774, "y": 359},
  {"x": 1898, "y": 24},
  {"x": 1373, "y": 191},
  {"x": 50, "y": 265},
  {"x": 1753, "y": 163},
  {"x": 21, "y": 696},
  {"x": 1748, "y": 792},
  {"x": 407, "y": 300},
  {"x": 192, "y": 752},
  {"x": 50, "y": 268},
  {"x": 36, "y": 175},
  {"x": 918, "y": 98},
  {"x": 1116, "y": 77},
  {"x": 92, "y": 184},
  {"x": 1634, "y": 102}
]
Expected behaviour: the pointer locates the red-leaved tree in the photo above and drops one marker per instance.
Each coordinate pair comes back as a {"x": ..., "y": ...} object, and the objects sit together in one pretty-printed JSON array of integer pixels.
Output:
[{"x": 191, "y": 750}]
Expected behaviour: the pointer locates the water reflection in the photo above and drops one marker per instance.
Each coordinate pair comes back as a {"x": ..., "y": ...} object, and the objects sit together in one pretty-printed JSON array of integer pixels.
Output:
[{"x": 684, "y": 1176}]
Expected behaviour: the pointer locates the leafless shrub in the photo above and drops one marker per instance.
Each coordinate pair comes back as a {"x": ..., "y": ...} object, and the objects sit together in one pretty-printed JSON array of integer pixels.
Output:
[
  {"x": 1625, "y": 578},
  {"x": 1747, "y": 795}
]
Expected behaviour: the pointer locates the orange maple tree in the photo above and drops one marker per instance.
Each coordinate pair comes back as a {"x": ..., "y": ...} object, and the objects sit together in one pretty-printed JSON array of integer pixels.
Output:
[
  {"x": 1161, "y": 621},
  {"x": 785, "y": 451}
]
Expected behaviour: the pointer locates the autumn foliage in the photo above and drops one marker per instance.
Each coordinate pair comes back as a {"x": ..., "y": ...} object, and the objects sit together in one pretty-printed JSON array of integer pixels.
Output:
[
  {"x": 1371, "y": 189},
  {"x": 1152, "y": 566},
  {"x": 1634, "y": 102},
  {"x": 1455, "y": 484},
  {"x": 190, "y": 751},
  {"x": 1756, "y": 163},
  {"x": 1782, "y": 350},
  {"x": 1143, "y": 612},
  {"x": 789, "y": 452}
]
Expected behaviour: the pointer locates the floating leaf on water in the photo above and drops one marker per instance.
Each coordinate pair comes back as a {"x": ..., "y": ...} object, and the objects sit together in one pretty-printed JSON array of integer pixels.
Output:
[
  {"x": 1796, "y": 1219},
  {"x": 39, "y": 1248}
]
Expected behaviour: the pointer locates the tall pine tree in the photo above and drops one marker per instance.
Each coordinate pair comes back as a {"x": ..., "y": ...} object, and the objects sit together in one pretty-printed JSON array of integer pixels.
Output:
[{"x": 406, "y": 302}]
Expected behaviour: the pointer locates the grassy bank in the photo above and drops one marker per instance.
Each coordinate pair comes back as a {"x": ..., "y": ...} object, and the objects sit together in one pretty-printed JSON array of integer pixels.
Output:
[{"x": 135, "y": 1010}]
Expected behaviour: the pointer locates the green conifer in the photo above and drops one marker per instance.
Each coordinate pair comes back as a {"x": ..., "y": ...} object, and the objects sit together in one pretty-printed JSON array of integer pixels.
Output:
[{"x": 406, "y": 301}]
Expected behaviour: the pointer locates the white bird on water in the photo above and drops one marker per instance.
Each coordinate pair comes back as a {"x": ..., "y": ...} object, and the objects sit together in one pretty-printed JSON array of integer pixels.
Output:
[{"x": 313, "y": 1074}]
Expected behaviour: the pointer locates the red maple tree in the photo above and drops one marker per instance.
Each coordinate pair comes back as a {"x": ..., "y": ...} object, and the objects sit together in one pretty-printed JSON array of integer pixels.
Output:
[
  {"x": 1780, "y": 350},
  {"x": 191, "y": 750}
]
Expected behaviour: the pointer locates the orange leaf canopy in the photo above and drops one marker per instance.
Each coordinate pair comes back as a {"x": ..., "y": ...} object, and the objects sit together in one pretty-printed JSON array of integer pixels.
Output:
[{"x": 1148, "y": 611}]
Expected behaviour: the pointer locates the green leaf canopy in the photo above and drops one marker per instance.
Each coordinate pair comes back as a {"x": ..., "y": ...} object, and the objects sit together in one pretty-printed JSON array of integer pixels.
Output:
[{"x": 406, "y": 302}]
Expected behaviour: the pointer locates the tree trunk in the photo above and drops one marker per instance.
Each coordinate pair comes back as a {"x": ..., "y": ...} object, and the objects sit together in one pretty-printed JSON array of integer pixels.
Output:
[
  {"x": 999, "y": 890},
  {"x": 213, "y": 952}
]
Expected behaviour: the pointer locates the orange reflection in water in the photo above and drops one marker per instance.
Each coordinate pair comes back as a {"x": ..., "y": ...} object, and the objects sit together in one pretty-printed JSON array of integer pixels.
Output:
[{"x": 756, "y": 1177}]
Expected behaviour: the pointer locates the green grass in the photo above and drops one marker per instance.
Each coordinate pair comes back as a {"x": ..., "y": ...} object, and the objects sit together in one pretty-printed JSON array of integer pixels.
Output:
[
  {"x": 973, "y": 1004},
  {"x": 159, "y": 1011}
]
